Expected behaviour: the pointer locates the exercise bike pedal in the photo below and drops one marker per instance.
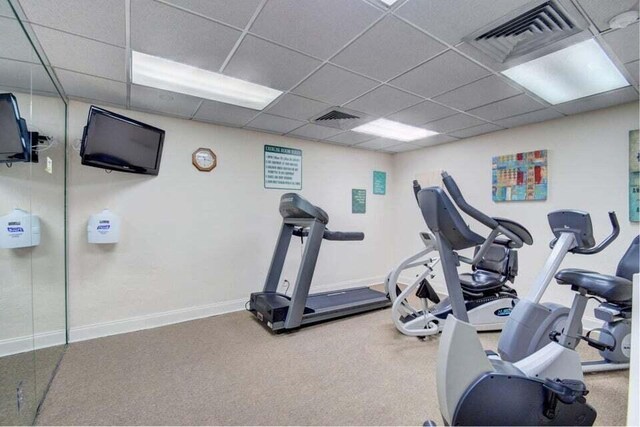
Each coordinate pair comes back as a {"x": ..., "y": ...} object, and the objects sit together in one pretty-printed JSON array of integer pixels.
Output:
[{"x": 599, "y": 345}]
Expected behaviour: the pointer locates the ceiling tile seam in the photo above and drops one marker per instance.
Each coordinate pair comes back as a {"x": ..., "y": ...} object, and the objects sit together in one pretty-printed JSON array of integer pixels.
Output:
[
  {"x": 453, "y": 113},
  {"x": 457, "y": 110},
  {"x": 378, "y": 4},
  {"x": 127, "y": 42},
  {"x": 245, "y": 30},
  {"x": 506, "y": 99},
  {"x": 326, "y": 61},
  {"x": 76, "y": 34},
  {"x": 20, "y": 89},
  {"x": 524, "y": 114},
  {"x": 90, "y": 75},
  {"x": 491, "y": 71},
  {"x": 22, "y": 61},
  {"x": 116, "y": 105},
  {"x": 200, "y": 15},
  {"x": 397, "y": 75},
  {"x": 386, "y": 82}
]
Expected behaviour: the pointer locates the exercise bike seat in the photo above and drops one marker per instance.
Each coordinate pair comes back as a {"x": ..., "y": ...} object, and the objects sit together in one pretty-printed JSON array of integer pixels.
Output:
[
  {"x": 615, "y": 289},
  {"x": 612, "y": 288}
]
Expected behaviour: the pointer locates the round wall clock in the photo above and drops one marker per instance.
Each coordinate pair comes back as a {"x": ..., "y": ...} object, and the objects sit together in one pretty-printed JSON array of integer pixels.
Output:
[{"x": 204, "y": 159}]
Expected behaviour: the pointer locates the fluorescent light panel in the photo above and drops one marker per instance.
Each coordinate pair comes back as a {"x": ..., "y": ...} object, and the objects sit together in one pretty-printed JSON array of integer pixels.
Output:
[
  {"x": 393, "y": 130},
  {"x": 160, "y": 73},
  {"x": 574, "y": 72}
]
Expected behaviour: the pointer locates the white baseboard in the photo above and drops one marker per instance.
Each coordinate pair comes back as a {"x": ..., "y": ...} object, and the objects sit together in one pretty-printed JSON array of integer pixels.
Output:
[
  {"x": 27, "y": 343},
  {"x": 154, "y": 320}
]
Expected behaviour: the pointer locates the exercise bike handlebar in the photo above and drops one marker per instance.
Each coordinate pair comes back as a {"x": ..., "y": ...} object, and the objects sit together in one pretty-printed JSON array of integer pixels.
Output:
[
  {"x": 459, "y": 200},
  {"x": 606, "y": 242}
]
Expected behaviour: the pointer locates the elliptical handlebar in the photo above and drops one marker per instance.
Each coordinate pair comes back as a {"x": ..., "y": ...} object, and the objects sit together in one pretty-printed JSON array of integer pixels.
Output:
[
  {"x": 416, "y": 189},
  {"x": 457, "y": 197},
  {"x": 493, "y": 224},
  {"x": 606, "y": 242}
]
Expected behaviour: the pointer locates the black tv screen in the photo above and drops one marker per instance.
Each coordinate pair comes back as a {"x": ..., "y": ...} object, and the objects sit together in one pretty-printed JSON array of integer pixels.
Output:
[
  {"x": 15, "y": 144},
  {"x": 115, "y": 142}
]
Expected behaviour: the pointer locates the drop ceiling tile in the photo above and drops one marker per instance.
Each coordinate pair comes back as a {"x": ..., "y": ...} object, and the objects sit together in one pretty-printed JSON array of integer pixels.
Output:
[
  {"x": 382, "y": 101},
  {"x": 18, "y": 47},
  {"x": 98, "y": 20},
  {"x": 5, "y": 10},
  {"x": 603, "y": 100},
  {"x": 90, "y": 87},
  {"x": 634, "y": 70},
  {"x": 527, "y": 118},
  {"x": 297, "y": 107},
  {"x": 514, "y": 106},
  {"x": 388, "y": 49},
  {"x": 478, "y": 93},
  {"x": 218, "y": 112},
  {"x": 274, "y": 124},
  {"x": 25, "y": 76},
  {"x": 424, "y": 112},
  {"x": 401, "y": 148},
  {"x": 315, "y": 27},
  {"x": 312, "y": 131},
  {"x": 161, "y": 30},
  {"x": 334, "y": 85},
  {"x": 82, "y": 55},
  {"x": 378, "y": 144},
  {"x": 452, "y": 20},
  {"x": 476, "y": 130},
  {"x": 601, "y": 11},
  {"x": 268, "y": 64},
  {"x": 350, "y": 138},
  {"x": 164, "y": 102},
  {"x": 624, "y": 42},
  {"x": 434, "y": 140},
  {"x": 232, "y": 12},
  {"x": 441, "y": 74},
  {"x": 452, "y": 123}
]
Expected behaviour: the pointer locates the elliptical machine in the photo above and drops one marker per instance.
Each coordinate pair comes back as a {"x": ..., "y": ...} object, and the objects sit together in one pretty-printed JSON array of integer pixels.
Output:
[
  {"x": 488, "y": 297},
  {"x": 545, "y": 388}
]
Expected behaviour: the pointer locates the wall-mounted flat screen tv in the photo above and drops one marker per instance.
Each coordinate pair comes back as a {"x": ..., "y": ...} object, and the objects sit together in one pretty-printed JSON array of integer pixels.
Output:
[
  {"x": 15, "y": 145},
  {"x": 115, "y": 142}
]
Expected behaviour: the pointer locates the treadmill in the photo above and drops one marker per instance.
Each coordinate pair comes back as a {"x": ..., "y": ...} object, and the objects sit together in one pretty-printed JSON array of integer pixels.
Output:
[{"x": 281, "y": 312}]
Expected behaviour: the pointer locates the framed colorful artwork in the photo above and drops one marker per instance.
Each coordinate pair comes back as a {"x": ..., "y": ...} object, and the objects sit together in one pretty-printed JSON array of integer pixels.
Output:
[{"x": 520, "y": 177}]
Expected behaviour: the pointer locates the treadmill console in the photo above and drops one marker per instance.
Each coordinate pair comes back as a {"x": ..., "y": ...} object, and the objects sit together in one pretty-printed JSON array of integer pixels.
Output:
[
  {"x": 573, "y": 221},
  {"x": 293, "y": 205}
]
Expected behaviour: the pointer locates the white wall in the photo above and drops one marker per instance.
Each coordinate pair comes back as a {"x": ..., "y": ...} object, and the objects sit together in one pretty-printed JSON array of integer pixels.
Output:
[
  {"x": 587, "y": 169},
  {"x": 196, "y": 243}
]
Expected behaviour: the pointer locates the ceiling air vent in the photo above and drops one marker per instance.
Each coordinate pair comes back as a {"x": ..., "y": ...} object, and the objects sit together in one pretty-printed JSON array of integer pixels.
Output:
[
  {"x": 340, "y": 118},
  {"x": 336, "y": 115},
  {"x": 538, "y": 27}
]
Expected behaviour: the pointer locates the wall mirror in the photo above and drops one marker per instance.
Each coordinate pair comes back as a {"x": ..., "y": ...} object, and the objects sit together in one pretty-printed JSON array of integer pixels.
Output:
[{"x": 33, "y": 332}]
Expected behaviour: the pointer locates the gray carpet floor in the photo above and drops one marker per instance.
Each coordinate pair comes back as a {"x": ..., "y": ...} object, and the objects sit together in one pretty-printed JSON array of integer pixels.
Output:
[{"x": 230, "y": 370}]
